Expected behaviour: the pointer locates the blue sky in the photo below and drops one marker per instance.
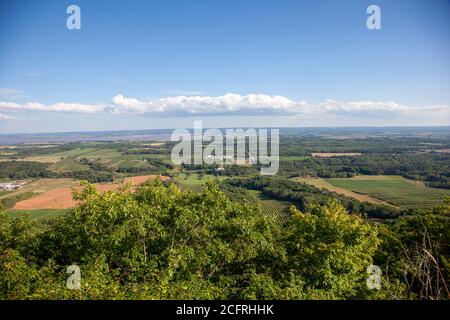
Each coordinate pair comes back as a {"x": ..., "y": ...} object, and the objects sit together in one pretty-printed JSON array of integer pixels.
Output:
[{"x": 162, "y": 64}]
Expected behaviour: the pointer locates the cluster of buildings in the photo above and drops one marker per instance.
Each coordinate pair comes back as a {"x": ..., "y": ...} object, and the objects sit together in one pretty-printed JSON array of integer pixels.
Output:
[{"x": 9, "y": 186}]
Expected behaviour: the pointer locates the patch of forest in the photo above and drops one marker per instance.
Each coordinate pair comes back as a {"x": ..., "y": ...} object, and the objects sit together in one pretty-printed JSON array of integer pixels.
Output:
[{"x": 432, "y": 168}]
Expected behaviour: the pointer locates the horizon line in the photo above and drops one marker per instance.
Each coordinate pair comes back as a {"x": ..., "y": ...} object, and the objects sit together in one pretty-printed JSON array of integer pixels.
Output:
[{"x": 239, "y": 127}]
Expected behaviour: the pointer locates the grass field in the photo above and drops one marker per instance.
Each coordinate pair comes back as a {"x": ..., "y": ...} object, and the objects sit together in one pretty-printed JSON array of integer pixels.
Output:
[
  {"x": 293, "y": 158},
  {"x": 58, "y": 156},
  {"x": 68, "y": 164},
  {"x": 395, "y": 190},
  {"x": 324, "y": 184},
  {"x": 109, "y": 157},
  {"x": 2, "y": 193},
  {"x": 193, "y": 181},
  {"x": 39, "y": 214}
]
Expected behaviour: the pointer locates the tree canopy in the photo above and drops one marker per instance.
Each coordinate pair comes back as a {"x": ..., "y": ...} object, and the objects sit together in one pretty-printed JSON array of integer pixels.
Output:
[{"x": 164, "y": 243}]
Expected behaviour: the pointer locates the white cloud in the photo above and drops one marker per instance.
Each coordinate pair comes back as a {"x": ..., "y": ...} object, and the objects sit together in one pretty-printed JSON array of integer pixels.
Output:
[
  {"x": 333, "y": 105},
  {"x": 383, "y": 108},
  {"x": 34, "y": 74},
  {"x": 250, "y": 104},
  {"x": 8, "y": 91},
  {"x": 61, "y": 106},
  {"x": 6, "y": 117},
  {"x": 228, "y": 103},
  {"x": 265, "y": 104},
  {"x": 11, "y": 94}
]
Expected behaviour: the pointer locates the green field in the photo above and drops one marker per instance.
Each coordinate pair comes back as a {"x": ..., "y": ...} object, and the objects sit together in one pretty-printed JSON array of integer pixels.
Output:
[
  {"x": 109, "y": 157},
  {"x": 293, "y": 158},
  {"x": 72, "y": 153},
  {"x": 193, "y": 181},
  {"x": 3, "y": 193},
  {"x": 395, "y": 190},
  {"x": 56, "y": 157},
  {"x": 39, "y": 214},
  {"x": 68, "y": 164},
  {"x": 277, "y": 209}
]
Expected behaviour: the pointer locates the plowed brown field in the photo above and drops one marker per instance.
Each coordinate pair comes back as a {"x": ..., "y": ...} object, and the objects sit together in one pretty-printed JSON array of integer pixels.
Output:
[{"x": 61, "y": 198}]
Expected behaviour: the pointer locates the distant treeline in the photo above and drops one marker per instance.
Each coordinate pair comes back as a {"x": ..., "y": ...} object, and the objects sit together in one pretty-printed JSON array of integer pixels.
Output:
[
  {"x": 154, "y": 166},
  {"x": 18, "y": 170},
  {"x": 226, "y": 170},
  {"x": 434, "y": 169},
  {"x": 23, "y": 170},
  {"x": 304, "y": 145},
  {"x": 97, "y": 172}
]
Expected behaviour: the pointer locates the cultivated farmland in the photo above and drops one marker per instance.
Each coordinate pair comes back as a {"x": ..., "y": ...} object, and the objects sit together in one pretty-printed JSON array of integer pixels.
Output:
[
  {"x": 61, "y": 197},
  {"x": 395, "y": 190}
]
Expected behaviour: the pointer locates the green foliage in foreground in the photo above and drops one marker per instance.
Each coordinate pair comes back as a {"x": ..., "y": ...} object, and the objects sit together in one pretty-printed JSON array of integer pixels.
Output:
[
  {"x": 416, "y": 249},
  {"x": 164, "y": 243}
]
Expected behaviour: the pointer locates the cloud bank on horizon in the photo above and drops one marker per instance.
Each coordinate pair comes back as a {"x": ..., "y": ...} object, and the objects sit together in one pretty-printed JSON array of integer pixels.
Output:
[
  {"x": 236, "y": 104},
  {"x": 6, "y": 117}
]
